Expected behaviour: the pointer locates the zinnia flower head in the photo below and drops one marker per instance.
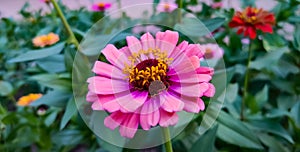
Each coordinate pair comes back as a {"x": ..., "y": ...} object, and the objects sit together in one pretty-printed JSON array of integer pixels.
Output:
[
  {"x": 251, "y": 20},
  {"x": 44, "y": 40},
  {"x": 216, "y": 5},
  {"x": 147, "y": 82},
  {"x": 101, "y": 6},
  {"x": 166, "y": 7},
  {"x": 212, "y": 51},
  {"x": 45, "y": 1},
  {"x": 26, "y": 100}
]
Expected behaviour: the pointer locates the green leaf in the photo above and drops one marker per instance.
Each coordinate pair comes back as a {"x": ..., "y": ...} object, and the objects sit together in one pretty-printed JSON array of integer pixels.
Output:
[
  {"x": 53, "y": 81},
  {"x": 296, "y": 42},
  {"x": 206, "y": 142},
  {"x": 67, "y": 137},
  {"x": 55, "y": 98},
  {"x": 273, "y": 41},
  {"x": 50, "y": 119},
  {"x": 262, "y": 96},
  {"x": 231, "y": 92},
  {"x": 295, "y": 113},
  {"x": 195, "y": 28},
  {"x": 233, "y": 131},
  {"x": 273, "y": 144},
  {"x": 52, "y": 64},
  {"x": 38, "y": 54},
  {"x": 271, "y": 127},
  {"x": 268, "y": 60},
  {"x": 69, "y": 56},
  {"x": 70, "y": 111},
  {"x": 5, "y": 88}
]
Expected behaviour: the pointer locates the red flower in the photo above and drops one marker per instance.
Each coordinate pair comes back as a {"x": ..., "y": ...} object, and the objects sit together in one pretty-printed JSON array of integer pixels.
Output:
[{"x": 252, "y": 19}]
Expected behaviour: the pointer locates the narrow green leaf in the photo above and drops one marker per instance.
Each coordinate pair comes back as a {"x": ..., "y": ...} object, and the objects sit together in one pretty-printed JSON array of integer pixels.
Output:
[
  {"x": 273, "y": 144},
  {"x": 195, "y": 28},
  {"x": 57, "y": 98},
  {"x": 262, "y": 96},
  {"x": 52, "y": 64},
  {"x": 50, "y": 119},
  {"x": 206, "y": 142},
  {"x": 271, "y": 127},
  {"x": 69, "y": 112},
  {"x": 233, "y": 131},
  {"x": 38, "y": 54},
  {"x": 269, "y": 60}
]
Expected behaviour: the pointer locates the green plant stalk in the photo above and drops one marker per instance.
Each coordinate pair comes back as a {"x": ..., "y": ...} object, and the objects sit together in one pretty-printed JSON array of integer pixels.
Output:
[
  {"x": 179, "y": 10},
  {"x": 167, "y": 137},
  {"x": 246, "y": 80},
  {"x": 72, "y": 38}
]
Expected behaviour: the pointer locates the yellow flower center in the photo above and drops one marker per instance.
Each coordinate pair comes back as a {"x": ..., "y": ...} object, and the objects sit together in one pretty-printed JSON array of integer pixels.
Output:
[
  {"x": 101, "y": 5},
  {"x": 167, "y": 6},
  {"x": 250, "y": 16},
  {"x": 142, "y": 73}
]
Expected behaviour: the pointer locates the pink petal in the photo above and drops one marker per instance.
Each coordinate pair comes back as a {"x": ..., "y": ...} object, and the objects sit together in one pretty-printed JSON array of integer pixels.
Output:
[
  {"x": 109, "y": 103},
  {"x": 102, "y": 85},
  {"x": 148, "y": 42},
  {"x": 194, "y": 49},
  {"x": 190, "y": 77},
  {"x": 195, "y": 61},
  {"x": 114, "y": 56},
  {"x": 192, "y": 90},
  {"x": 149, "y": 115},
  {"x": 107, "y": 70},
  {"x": 126, "y": 51},
  {"x": 182, "y": 64},
  {"x": 210, "y": 92},
  {"x": 201, "y": 104},
  {"x": 179, "y": 49},
  {"x": 134, "y": 44},
  {"x": 171, "y": 103},
  {"x": 166, "y": 41},
  {"x": 131, "y": 101},
  {"x": 91, "y": 97},
  {"x": 191, "y": 104},
  {"x": 129, "y": 126},
  {"x": 97, "y": 106},
  {"x": 205, "y": 70},
  {"x": 114, "y": 120},
  {"x": 167, "y": 118}
]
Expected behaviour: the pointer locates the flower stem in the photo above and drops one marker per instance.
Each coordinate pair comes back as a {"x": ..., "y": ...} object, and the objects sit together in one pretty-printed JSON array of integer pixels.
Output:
[
  {"x": 246, "y": 82},
  {"x": 72, "y": 38},
  {"x": 167, "y": 137},
  {"x": 180, "y": 10}
]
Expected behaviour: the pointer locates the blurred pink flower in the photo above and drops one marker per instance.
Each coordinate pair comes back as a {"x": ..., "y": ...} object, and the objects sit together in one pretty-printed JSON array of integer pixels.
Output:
[
  {"x": 45, "y": 1},
  {"x": 166, "y": 7},
  {"x": 212, "y": 51},
  {"x": 144, "y": 29},
  {"x": 245, "y": 41},
  {"x": 217, "y": 5},
  {"x": 100, "y": 7},
  {"x": 148, "y": 82}
]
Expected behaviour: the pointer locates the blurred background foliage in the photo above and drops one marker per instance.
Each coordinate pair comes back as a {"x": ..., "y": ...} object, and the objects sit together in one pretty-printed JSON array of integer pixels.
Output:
[{"x": 52, "y": 123}]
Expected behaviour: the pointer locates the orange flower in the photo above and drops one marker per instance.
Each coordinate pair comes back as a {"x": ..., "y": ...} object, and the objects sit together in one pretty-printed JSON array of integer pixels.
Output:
[
  {"x": 26, "y": 100},
  {"x": 44, "y": 40},
  {"x": 251, "y": 20}
]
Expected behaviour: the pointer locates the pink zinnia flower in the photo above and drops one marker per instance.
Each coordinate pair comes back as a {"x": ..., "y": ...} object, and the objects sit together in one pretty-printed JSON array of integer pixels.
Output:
[
  {"x": 166, "y": 7},
  {"x": 217, "y": 5},
  {"x": 147, "y": 82},
  {"x": 101, "y": 6},
  {"x": 212, "y": 51},
  {"x": 45, "y": 1}
]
